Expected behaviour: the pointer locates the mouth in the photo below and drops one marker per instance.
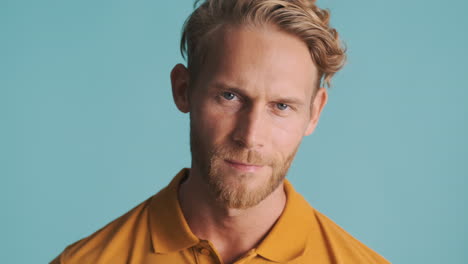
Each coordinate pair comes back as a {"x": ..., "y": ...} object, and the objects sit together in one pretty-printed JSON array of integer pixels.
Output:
[{"x": 244, "y": 167}]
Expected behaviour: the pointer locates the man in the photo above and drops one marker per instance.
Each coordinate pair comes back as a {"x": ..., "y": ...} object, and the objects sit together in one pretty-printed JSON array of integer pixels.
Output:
[{"x": 253, "y": 89}]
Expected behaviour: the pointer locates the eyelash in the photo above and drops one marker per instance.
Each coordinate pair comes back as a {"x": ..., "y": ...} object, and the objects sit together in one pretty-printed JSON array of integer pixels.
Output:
[
  {"x": 224, "y": 94},
  {"x": 286, "y": 106}
]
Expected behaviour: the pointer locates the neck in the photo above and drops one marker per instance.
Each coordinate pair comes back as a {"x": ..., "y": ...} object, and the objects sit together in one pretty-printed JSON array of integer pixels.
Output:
[{"x": 232, "y": 231}]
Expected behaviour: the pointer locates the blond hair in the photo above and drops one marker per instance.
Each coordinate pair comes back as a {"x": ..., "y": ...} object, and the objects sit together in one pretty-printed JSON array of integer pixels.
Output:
[{"x": 301, "y": 18}]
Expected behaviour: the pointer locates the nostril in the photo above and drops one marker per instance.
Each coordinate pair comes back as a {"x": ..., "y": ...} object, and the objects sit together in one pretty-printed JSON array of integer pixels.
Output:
[{"x": 239, "y": 142}]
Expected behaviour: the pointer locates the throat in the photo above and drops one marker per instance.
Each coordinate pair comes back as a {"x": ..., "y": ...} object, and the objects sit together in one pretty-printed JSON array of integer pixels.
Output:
[{"x": 232, "y": 232}]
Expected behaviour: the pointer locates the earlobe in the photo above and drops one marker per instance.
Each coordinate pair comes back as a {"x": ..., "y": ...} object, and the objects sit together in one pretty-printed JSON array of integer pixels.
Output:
[
  {"x": 319, "y": 101},
  {"x": 180, "y": 85}
]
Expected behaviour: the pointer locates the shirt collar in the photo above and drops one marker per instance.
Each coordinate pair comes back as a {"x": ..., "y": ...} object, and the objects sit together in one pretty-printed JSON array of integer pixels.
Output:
[
  {"x": 288, "y": 237},
  {"x": 286, "y": 240},
  {"x": 168, "y": 227}
]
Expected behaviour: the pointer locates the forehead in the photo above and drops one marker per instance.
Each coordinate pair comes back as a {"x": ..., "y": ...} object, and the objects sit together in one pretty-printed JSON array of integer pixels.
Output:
[{"x": 259, "y": 57}]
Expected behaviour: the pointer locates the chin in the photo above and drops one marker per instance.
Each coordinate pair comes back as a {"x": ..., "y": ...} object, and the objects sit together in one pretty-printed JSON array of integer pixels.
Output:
[{"x": 238, "y": 189}]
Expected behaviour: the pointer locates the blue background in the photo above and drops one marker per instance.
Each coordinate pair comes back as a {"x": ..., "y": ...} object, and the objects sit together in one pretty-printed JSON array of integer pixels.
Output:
[{"x": 88, "y": 128}]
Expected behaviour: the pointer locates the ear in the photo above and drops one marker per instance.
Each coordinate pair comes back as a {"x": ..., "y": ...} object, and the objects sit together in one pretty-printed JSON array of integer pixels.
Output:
[
  {"x": 180, "y": 86},
  {"x": 319, "y": 101}
]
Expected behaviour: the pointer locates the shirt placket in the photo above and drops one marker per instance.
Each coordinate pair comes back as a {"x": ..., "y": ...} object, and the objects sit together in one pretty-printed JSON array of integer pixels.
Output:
[{"x": 205, "y": 254}]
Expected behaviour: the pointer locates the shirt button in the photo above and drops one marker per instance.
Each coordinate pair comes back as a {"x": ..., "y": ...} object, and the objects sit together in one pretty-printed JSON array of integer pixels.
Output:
[{"x": 205, "y": 251}]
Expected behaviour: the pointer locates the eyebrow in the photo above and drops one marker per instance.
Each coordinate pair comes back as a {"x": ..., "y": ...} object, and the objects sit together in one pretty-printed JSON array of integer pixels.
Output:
[
  {"x": 237, "y": 90},
  {"x": 286, "y": 100}
]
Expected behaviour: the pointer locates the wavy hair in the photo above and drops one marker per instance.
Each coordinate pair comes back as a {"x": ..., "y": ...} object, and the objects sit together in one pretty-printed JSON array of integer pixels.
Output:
[{"x": 301, "y": 18}]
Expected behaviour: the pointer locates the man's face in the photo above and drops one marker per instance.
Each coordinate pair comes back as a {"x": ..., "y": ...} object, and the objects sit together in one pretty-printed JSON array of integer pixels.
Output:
[{"x": 249, "y": 109}]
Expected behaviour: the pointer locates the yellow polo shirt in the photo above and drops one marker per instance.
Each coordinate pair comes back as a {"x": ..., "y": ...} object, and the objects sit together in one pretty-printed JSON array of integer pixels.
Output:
[{"x": 156, "y": 232}]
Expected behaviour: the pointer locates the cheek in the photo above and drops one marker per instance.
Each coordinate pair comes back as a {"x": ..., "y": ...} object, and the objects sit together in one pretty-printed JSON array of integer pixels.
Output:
[
  {"x": 287, "y": 137},
  {"x": 211, "y": 125}
]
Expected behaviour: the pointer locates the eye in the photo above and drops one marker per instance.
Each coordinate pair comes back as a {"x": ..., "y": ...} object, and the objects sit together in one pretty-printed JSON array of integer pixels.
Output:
[
  {"x": 281, "y": 106},
  {"x": 228, "y": 96}
]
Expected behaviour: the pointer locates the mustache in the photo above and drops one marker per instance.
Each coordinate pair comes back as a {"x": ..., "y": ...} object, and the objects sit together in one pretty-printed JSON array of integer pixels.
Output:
[{"x": 241, "y": 155}]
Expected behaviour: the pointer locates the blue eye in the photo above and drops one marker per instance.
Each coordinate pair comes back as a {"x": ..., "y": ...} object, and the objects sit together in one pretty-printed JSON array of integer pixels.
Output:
[
  {"x": 228, "y": 96},
  {"x": 281, "y": 106}
]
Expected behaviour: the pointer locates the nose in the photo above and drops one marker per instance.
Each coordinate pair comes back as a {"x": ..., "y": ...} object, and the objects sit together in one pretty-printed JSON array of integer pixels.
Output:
[{"x": 251, "y": 129}]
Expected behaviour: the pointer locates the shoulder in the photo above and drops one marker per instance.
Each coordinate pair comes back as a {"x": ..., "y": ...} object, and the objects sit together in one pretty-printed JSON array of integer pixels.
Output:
[
  {"x": 339, "y": 245},
  {"x": 325, "y": 241},
  {"x": 112, "y": 243}
]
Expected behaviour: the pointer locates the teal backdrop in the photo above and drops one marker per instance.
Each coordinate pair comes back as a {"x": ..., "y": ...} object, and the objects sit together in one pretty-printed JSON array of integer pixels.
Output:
[{"x": 88, "y": 128}]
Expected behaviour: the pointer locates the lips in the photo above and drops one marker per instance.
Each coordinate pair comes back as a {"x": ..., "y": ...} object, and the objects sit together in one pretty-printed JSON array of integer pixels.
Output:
[{"x": 244, "y": 167}]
